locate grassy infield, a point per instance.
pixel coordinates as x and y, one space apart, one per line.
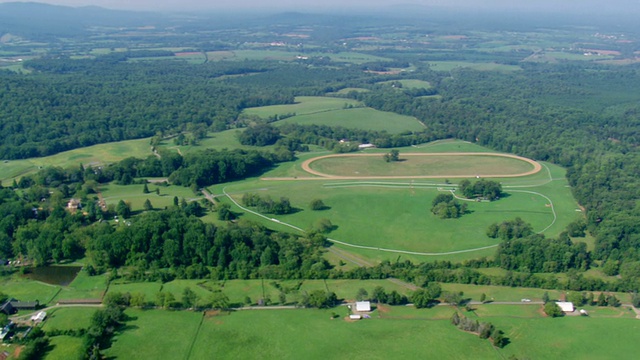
395 216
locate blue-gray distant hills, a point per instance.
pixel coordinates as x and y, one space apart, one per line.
43 20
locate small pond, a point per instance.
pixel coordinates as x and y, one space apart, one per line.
54 275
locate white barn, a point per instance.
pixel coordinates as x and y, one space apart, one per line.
566 306
363 306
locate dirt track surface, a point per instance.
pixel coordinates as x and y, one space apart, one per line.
306 166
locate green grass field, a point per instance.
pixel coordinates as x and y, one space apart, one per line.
113 193
84 287
391 332
359 118
155 334
304 105
287 334
333 112
64 348
409 84
421 166
395 215
91 155
28 290
68 318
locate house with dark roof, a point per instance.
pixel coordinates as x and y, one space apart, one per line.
7 308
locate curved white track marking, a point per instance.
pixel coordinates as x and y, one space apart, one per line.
354 245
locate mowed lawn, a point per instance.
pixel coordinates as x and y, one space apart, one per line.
424 165
312 334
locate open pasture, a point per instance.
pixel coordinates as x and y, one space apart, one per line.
304 105
134 194
421 165
69 318
90 155
155 334
359 118
571 337
285 334
409 83
65 347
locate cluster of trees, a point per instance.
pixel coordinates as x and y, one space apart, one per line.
426 297
485 330
265 204
510 229
392 156
445 206
485 189
163 245
393 297
259 135
536 253
102 327
319 299
210 166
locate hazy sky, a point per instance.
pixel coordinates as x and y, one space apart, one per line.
579 6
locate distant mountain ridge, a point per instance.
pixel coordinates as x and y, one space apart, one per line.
38 19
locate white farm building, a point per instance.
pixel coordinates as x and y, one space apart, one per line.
363 306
